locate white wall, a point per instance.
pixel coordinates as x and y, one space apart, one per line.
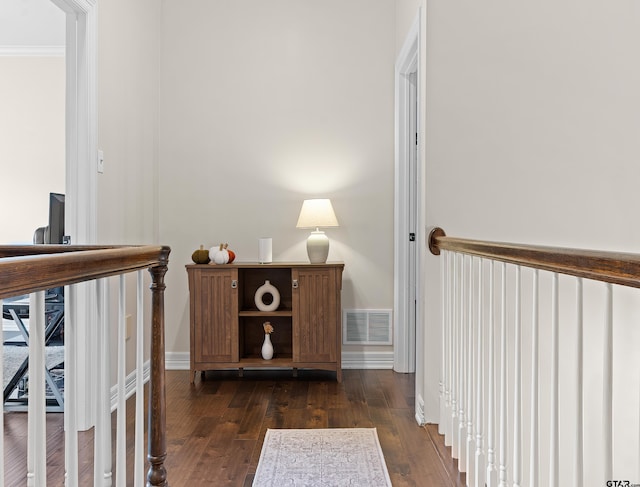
128 108
265 104
533 116
31 23
32 138
128 111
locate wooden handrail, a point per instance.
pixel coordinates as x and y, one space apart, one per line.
613 267
28 249
30 268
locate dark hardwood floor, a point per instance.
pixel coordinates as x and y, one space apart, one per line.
216 427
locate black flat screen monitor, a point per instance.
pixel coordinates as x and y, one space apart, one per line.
54 234
56 219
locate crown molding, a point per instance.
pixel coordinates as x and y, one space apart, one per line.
32 51
76 6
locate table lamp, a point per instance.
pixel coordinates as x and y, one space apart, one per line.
317 213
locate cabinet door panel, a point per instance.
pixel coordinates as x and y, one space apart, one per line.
216 318
315 313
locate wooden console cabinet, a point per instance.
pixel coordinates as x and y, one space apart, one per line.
226 326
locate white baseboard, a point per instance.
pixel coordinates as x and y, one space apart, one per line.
130 385
367 360
177 361
420 418
350 360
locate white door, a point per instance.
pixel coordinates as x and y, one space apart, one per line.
412 212
406 261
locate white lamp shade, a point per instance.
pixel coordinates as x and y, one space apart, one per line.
317 213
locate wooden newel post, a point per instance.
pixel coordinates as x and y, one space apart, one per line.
157 474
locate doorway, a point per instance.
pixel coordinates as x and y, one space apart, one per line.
32 97
32 151
407 210
80 181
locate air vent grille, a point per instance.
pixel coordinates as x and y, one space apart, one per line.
367 327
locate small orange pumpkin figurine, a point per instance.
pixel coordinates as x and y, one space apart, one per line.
232 254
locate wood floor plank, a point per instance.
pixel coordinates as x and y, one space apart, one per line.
425 463
216 427
317 405
318 395
450 464
255 411
391 387
243 392
395 456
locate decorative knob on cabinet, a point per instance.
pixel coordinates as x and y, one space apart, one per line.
295 284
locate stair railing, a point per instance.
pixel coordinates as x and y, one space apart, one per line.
31 270
527 377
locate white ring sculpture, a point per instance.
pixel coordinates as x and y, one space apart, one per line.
267 288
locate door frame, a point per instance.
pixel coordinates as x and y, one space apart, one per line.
407 102
81 120
81 185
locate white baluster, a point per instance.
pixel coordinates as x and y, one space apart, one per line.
579 462
471 442
553 437
450 305
455 376
479 461
533 453
503 378
517 390
98 460
121 424
139 428
36 422
607 407
492 471
70 401
102 457
462 398
443 343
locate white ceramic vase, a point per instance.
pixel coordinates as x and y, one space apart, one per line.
267 347
267 288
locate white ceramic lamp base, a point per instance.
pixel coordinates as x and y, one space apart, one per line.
318 247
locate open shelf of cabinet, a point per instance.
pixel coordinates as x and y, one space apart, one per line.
265 314
226 327
255 362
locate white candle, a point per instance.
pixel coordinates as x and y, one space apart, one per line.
265 247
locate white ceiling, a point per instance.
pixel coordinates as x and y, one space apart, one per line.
31 23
